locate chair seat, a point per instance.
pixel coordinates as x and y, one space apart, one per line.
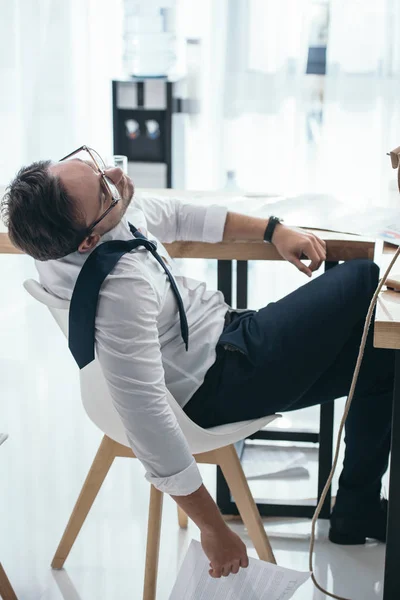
205 440
234 428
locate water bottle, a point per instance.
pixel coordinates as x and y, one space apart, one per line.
150 37
231 183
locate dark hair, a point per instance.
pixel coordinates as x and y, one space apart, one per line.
42 219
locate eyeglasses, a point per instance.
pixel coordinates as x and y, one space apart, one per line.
107 183
395 158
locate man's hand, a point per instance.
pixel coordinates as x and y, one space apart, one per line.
225 550
293 244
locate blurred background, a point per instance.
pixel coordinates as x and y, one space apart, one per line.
279 96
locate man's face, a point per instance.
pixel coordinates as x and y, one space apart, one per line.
84 183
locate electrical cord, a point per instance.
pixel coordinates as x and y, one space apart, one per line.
342 424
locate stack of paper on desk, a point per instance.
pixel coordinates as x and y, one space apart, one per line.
323 211
260 581
320 211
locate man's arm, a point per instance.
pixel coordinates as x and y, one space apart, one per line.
171 220
243 227
292 244
129 352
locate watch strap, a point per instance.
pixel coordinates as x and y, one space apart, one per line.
269 231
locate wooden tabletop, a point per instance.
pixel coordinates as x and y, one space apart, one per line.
387 317
339 247
387 320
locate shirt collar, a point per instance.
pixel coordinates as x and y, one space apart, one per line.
119 232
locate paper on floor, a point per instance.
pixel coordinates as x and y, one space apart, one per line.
261 461
260 581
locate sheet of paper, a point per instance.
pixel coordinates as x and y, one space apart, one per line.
260 581
391 233
261 461
296 485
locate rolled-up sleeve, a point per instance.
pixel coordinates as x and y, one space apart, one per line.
130 356
170 220
182 484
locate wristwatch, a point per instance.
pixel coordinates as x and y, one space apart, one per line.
269 231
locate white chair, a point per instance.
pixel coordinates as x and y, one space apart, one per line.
211 446
6 590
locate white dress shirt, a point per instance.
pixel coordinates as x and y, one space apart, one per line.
138 335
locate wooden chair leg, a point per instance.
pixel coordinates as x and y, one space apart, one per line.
153 544
6 590
98 471
182 518
229 462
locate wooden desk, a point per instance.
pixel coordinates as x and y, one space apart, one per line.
387 320
387 335
340 247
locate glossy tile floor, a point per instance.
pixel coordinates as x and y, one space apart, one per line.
48 454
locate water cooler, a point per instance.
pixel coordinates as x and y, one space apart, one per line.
147 127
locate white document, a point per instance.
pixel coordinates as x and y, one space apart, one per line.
260 581
260 461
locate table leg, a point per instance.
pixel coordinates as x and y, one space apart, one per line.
225 279
392 561
224 269
241 283
326 421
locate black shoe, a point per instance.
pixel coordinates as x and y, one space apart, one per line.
350 531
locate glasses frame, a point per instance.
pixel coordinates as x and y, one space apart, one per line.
113 191
395 160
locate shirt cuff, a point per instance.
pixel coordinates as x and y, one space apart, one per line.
181 484
214 223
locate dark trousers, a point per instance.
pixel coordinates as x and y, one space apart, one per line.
301 351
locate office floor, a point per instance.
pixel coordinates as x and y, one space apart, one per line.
48 454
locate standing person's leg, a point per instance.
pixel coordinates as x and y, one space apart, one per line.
358 510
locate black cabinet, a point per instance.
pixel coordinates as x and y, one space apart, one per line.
142 125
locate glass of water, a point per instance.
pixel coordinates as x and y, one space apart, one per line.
119 160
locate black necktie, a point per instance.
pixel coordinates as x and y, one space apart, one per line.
83 307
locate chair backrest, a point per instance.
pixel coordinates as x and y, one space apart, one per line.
96 398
